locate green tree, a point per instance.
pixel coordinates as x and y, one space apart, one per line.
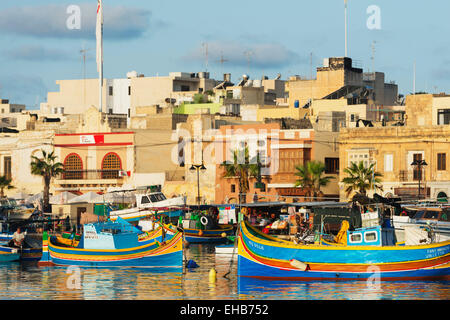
360 178
241 168
48 168
311 179
199 98
5 183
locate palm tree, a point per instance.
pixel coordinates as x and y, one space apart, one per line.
311 178
5 183
48 168
242 169
361 178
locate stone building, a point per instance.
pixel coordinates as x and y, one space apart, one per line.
393 150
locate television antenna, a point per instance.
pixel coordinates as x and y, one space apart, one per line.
373 55
249 55
222 60
83 52
205 46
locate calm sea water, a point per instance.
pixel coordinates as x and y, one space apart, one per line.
30 282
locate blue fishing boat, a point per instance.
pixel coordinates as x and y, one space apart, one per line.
360 254
208 236
115 244
8 254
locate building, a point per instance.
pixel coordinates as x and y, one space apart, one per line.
6 107
280 151
123 96
341 87
16 149
94 161
393 150
428 109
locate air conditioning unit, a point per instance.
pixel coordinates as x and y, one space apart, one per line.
123 173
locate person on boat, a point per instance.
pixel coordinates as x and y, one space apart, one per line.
17 239
67 223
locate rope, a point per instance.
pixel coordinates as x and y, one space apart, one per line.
234 249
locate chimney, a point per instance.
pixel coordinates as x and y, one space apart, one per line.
227 77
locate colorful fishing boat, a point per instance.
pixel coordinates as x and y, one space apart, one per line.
8 254
265 257
115 244
209 236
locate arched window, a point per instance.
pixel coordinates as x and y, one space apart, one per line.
73 167
111 165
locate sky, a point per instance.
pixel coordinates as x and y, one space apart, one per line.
254 37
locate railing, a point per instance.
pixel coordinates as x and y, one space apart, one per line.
410 176
90 174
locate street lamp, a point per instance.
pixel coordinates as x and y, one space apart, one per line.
419 164
198 167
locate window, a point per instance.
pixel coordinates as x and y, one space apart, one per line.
443 116
233 188
129 90
7 167
145 200
370 236
111 91
356 238
441 161
417 169
185 88
388 162
111 165
358 157
73 166
431 215
289 159
332 165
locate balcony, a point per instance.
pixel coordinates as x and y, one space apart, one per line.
91 177
410 176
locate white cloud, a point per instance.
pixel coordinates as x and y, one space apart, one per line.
50 21
36 53
260 54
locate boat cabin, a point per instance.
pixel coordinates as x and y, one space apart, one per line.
109 235
372 236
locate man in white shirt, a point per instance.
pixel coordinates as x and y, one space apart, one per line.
18 238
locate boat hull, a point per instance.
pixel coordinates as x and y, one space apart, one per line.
208 236
152 255
267 258
9 254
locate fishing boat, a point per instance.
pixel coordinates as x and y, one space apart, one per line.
115 244
203 228
437 218
8 254
359 254
146 204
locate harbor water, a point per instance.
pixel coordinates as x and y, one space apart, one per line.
29 282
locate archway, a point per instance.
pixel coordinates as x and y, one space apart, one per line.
442 197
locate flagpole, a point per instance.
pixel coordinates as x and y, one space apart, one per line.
99 36
346 35
101 66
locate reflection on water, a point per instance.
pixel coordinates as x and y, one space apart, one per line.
342 290
28 281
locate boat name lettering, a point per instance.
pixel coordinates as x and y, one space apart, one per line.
255 245
90 234
435 252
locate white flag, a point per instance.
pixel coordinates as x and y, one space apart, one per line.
99 35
